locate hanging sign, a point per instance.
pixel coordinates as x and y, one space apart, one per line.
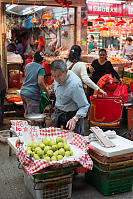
106 9
128 11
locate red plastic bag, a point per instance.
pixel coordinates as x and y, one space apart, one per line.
121 91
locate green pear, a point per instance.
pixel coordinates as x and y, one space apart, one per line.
60 145
53 158
71 153
56 153
36 157
61 152
46 149
52 142
45 141
67 153
54 147
67 147
50 153
40 153
47 158
59 157
42 145
37 149
59 139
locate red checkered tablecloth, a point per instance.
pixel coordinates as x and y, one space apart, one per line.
31 165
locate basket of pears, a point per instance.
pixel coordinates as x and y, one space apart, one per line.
49 149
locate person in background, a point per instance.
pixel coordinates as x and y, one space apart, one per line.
3 87
20 50
33 85
11 46
71 102
92 45
79 68
102 67
128 48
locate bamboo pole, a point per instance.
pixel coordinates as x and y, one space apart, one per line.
3 51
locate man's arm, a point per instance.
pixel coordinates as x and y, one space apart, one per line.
79 97
42 84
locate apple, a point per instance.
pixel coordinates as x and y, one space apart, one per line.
46 149
45 141
67 153
56 153
59 157
36 157
61 152
53 158
54 147
59 139
42 145
47 158
60 145
71 153
50 153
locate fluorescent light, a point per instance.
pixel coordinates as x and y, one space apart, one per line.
9 7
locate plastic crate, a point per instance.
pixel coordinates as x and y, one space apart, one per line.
52 188
114 159
110 182
112 166
51 174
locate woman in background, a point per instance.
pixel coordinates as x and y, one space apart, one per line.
79 68
102 67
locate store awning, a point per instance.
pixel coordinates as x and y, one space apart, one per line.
75 3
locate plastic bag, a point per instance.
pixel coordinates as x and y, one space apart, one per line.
121 91
43 103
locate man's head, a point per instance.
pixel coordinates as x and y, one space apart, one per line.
129 40
38 57
58 70
75 52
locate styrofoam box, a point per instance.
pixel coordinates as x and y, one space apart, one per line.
123 146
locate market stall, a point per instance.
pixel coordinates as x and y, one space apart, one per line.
49 157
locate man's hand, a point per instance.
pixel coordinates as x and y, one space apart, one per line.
71 124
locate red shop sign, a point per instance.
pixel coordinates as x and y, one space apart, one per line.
128 11
107 9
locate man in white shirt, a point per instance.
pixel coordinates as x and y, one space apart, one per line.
128 48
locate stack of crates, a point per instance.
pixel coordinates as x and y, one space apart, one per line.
111 175
50 185
128 76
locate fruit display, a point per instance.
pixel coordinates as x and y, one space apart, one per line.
49 150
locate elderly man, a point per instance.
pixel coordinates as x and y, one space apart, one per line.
2 94
71 103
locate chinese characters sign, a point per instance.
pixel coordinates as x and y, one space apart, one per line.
106 9
128 11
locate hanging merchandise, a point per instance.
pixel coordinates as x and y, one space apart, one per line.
46 16
99 19
28 23
104 31
34 20
40 44
64 3
121 22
